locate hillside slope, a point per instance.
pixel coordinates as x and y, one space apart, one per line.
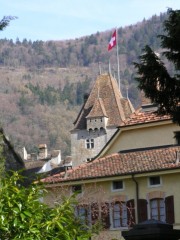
43 83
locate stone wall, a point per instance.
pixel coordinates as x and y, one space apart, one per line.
79 151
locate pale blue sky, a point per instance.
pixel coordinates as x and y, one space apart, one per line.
70 19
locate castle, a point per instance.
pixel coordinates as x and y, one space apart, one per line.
103 111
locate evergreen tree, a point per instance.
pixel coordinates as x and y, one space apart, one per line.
5 22
154 79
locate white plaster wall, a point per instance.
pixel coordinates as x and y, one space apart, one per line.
144 137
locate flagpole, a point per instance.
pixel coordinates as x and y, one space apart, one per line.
117 49
109 67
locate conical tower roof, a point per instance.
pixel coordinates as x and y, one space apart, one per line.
105 97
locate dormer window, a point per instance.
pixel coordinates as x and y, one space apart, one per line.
89 143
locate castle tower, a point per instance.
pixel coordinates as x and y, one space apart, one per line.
98 119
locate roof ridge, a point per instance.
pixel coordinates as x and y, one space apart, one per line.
149 148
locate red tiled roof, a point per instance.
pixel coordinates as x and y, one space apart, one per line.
139 117
121 164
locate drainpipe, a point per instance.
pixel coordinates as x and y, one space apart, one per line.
137 196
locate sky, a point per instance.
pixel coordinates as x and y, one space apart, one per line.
69 19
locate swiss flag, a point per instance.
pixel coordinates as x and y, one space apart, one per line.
112 42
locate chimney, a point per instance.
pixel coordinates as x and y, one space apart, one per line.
33 156
42 151
177 157
25 155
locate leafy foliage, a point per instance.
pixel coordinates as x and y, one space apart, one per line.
5 22
24 216
154 79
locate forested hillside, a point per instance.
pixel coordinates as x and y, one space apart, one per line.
43 83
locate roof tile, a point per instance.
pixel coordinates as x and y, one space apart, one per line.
139 117
121 164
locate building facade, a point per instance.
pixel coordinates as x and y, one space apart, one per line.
143 129
123 189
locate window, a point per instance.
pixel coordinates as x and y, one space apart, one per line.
112 215
119 214
177 137
117 185
154 181
157 209
77 188
89 143
116 214
90 132
102 131
83 214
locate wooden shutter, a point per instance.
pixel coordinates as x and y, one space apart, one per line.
142 208
169 205
105 215
94 212
130 212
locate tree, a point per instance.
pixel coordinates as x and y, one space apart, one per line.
158 84
5 22
23 215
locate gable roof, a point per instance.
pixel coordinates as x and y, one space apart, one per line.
124 163
111 104
98 109
13 160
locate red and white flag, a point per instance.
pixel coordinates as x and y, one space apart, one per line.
112 42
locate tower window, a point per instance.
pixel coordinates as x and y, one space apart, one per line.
89 143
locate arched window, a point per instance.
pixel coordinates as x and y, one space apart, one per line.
102 130
90 132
